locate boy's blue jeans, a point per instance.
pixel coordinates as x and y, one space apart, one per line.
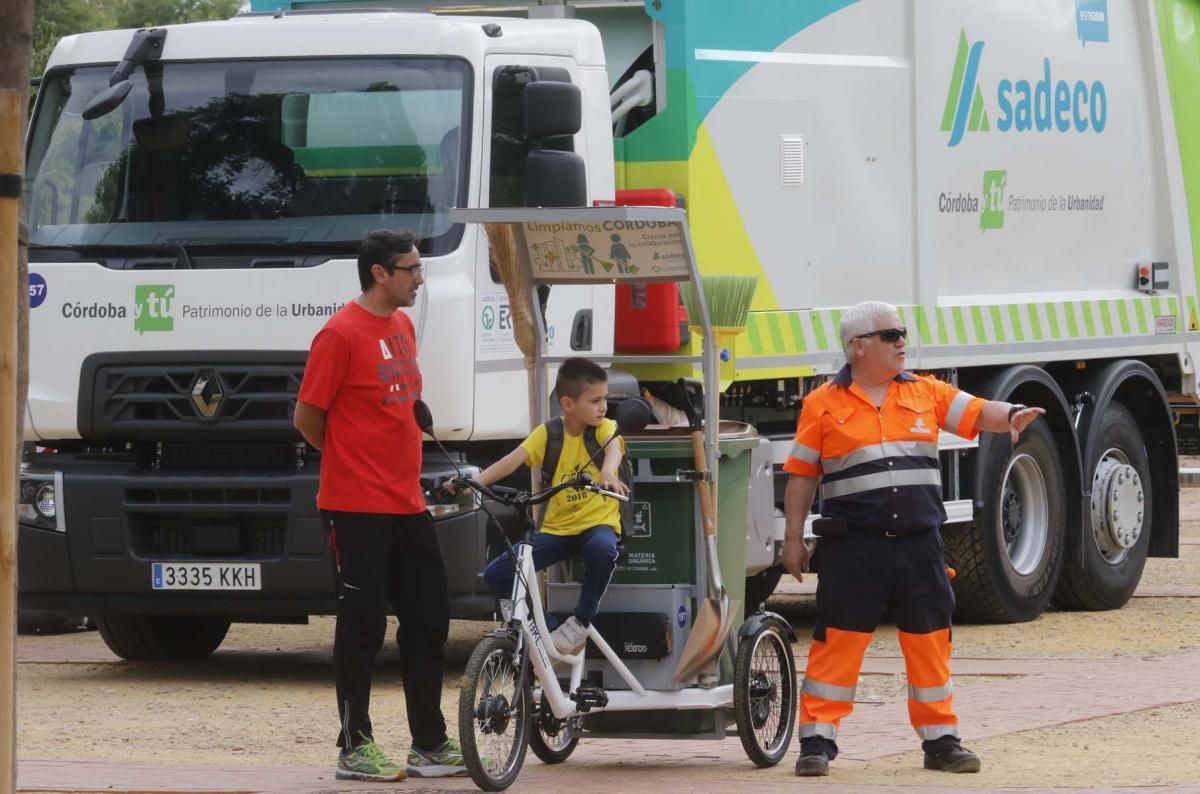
598 546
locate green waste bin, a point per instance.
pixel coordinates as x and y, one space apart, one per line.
665 544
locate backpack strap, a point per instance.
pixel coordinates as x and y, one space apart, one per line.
554 446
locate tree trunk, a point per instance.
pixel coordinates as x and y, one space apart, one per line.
16 50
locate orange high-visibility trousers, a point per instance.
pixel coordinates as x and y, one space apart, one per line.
860 574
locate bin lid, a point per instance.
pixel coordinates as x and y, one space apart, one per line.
666 441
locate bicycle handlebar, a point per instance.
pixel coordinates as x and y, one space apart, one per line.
516 498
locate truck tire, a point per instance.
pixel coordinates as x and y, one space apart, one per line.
162 637
760 586
1008 562
1117 539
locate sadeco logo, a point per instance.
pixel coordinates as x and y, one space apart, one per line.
153 307
1042 106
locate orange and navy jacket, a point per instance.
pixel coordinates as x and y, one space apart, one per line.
879 467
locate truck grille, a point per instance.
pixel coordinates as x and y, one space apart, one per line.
136 396
207 522
173 537
276 456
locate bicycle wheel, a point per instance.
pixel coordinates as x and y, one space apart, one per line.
553 740
493 717
764 694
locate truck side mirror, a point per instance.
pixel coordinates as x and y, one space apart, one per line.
107 100
552 109
555 179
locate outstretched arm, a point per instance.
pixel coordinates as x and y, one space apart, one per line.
503 467
994 418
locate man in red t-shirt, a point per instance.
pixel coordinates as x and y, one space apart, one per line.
356 406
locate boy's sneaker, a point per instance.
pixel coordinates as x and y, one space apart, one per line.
368 762
570 636
446 761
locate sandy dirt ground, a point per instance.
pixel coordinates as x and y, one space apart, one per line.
266 697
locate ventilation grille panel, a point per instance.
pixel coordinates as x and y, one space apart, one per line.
792 151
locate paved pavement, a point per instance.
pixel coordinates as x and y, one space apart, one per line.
1007 696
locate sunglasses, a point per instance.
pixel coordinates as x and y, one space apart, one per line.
889 335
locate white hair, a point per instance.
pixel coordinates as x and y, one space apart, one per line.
860 319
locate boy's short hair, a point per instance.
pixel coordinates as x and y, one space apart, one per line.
575 375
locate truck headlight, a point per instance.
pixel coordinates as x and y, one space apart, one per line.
39 503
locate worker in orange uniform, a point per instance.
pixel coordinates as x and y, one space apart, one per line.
870 437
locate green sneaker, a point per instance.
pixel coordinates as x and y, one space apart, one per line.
446 761
368 762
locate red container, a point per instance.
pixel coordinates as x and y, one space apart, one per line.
649 317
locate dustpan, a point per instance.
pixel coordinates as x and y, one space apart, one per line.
713 618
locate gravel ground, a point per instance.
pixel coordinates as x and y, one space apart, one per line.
266 697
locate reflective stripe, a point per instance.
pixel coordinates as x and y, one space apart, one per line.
884 479
931 732
888 449
931 694
827 691
805 454
826 729
957 408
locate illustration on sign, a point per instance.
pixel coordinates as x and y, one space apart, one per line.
608 249
641 520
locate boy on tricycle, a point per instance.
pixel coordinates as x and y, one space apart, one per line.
575 521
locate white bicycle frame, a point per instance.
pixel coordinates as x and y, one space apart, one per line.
543 654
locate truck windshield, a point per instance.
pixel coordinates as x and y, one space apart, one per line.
311 153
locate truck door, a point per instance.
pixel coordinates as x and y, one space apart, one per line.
500 376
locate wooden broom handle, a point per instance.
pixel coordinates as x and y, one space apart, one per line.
702 486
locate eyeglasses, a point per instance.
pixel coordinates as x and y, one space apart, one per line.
889 335
412 270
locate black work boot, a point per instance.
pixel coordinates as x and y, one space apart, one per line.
815 754
948 755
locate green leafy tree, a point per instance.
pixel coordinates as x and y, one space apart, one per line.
53 19
149 13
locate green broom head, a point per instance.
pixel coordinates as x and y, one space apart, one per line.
729 298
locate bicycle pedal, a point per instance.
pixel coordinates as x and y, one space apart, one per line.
589 697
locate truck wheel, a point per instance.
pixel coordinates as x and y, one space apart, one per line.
1008 562
760 586
1114 550
162 637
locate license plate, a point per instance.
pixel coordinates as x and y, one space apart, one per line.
206 576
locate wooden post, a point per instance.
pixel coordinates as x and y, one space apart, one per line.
16 50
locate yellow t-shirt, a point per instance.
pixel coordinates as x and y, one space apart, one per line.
572 512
